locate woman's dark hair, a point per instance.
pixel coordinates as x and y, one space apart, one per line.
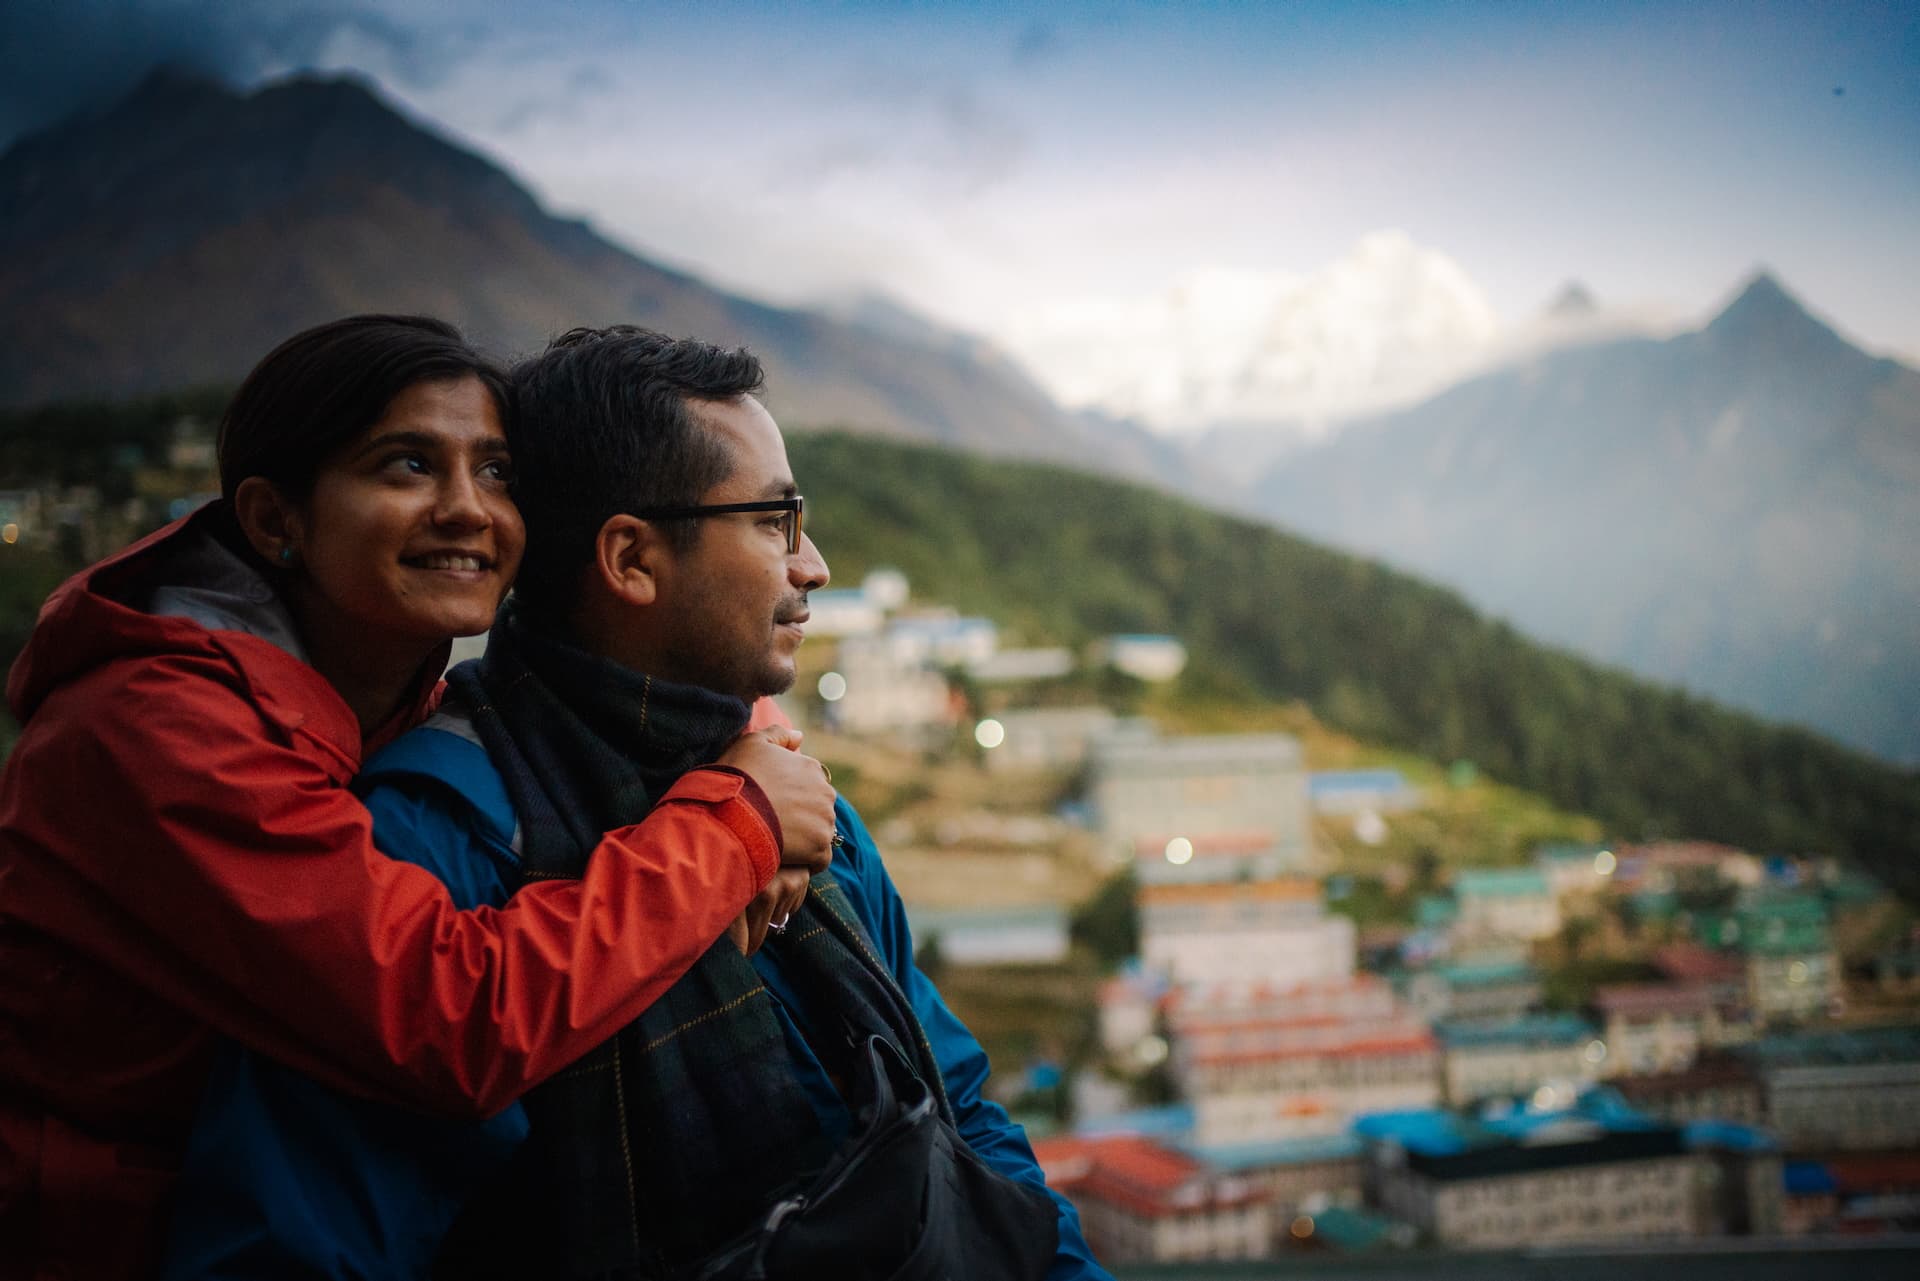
322 387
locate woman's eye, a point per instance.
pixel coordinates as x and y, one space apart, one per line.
406 464
499 470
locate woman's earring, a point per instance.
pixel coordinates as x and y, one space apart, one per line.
286 554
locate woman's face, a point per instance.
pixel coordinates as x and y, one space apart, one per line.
409 537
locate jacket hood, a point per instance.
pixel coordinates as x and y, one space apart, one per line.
178 592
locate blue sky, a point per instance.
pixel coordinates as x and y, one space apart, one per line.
985 162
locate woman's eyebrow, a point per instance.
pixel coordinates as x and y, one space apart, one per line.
426 440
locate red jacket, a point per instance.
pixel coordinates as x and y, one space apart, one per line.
179 859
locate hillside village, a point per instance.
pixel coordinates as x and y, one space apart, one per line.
1604 1042
1257 988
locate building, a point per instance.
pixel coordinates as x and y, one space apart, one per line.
1502 905
1218 932
1214 807
1259 1063
1495 989
840 612
1742 1194
1848 1090
1785 944
1575 868
885 694
857 611
1360 791
1143 1202
941 638
1127 1008
1717 1086
1010 665
1534 1180
1056 738
1147 658
1034 934
1299 1176
1655 1027
1518 1057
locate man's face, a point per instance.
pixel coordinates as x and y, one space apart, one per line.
733 604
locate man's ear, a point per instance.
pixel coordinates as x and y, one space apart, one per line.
628 556
270 521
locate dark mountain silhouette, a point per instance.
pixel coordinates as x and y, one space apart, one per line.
172 238
1733 510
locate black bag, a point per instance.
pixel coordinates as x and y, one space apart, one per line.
904 1199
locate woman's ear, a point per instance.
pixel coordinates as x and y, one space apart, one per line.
269 521
627 554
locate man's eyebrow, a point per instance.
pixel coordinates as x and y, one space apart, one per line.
779 489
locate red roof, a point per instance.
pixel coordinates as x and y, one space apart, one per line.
1630 1000
1351 1050
1871 1172
1690 962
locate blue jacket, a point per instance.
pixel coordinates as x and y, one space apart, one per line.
285 1178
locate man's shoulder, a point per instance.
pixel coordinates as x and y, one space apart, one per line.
445 753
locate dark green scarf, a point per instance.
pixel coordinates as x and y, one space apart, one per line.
674 1135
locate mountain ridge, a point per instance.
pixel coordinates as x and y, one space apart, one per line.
172 237
1722 510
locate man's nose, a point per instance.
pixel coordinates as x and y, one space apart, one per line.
807 568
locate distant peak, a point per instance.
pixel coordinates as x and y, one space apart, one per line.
1763 309
1574 299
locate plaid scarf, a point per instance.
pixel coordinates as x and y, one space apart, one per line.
673 1136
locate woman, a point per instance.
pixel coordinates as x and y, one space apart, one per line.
180 860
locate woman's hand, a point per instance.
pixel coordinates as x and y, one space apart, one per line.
770 909
798 789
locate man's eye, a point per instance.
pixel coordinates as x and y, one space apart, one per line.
406 464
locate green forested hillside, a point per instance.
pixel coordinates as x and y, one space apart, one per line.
1057 555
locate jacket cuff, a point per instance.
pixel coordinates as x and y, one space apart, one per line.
753 794
742 806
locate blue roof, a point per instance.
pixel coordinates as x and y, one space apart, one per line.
1807 1178
1436 1132
1529 1029
1729 1135
1326 782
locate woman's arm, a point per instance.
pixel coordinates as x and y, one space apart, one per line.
228 872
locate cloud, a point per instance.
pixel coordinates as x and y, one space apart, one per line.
61 56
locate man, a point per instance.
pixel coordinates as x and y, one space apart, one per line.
664 589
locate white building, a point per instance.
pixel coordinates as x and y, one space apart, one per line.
1211 807
1267 1062
1252 932
1147 658
884 695
1031 935
1503 905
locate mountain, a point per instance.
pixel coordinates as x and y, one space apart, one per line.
173 237
1376 653
1732 510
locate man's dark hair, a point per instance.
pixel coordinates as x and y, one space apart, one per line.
603 425
322 387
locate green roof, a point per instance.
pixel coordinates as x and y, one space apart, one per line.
1500 882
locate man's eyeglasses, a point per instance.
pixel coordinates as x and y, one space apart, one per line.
794 509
